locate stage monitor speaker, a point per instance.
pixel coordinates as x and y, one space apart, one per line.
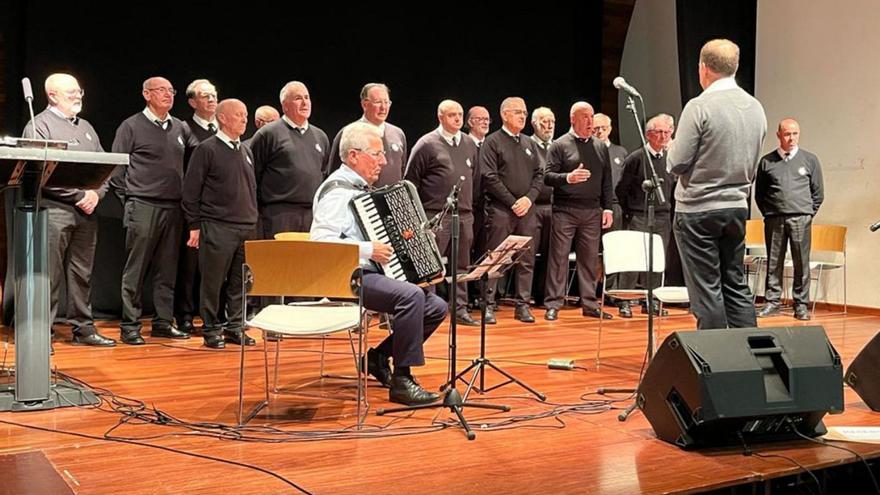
726 387
863 374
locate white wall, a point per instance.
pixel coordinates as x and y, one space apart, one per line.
817 62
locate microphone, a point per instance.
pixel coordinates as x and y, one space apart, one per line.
621 84
875 227
29 97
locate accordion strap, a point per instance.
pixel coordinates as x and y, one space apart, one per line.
339 184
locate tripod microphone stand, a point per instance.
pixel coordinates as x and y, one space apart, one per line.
452 399
653 196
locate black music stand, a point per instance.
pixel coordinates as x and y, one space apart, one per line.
452 399
492 266
29 170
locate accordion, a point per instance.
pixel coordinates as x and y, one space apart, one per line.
394 215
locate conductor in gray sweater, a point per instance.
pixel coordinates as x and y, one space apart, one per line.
715 156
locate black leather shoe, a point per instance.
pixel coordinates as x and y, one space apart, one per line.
238 338
769 309
657 311
215 341
490 316
596 313
466 320
625 311
801 312
524 314
132 337
551 314
186 326
405 390
378 367
169 333
94 339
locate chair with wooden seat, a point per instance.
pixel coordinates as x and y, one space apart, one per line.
827 252
627 251
277 268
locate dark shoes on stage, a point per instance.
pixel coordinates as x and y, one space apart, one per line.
214 341
772 309
801 312
490 316
239 338
551 314
769 309
94 339
168 332
624 310
596 313
657 311
132 337
186 326
405 390
378 367
466 320
524 314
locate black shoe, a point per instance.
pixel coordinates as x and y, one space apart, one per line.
524 314
657 311
801 312
132 337
551 314
596 313
169 333
625 311
186 326
769 309
94 339
215 341
466 320
490 316
378 367
405 390
237 338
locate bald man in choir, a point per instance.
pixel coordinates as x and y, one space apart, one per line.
263 115
151 188
220 206
73 228
376 104
291 156
441 159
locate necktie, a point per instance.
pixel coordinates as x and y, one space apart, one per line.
454 142
787 156
160 123
73 120
545 144
658 156
300 130
236 145
515 139
212 128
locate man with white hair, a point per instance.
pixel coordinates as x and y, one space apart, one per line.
441 159
263 115
416 312
544 127
73 229
290 160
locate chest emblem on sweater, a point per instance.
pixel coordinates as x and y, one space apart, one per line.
617 161
802 171
468 162
528 152
249 160
318 147
180 140
88 136
395 147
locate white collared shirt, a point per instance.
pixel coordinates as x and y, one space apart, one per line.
291 123
721 85
477 141
543 144
153 118
62 115
451 139
204 123
333 220
506 131
652 151
226 139
381 126
790 153
571 131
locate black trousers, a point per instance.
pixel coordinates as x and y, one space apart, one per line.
186 290
618 223
780 231
444 243
152 239
73 236
712 246
416 312
584 227
638 220
221 254
541 245
500 223
283 217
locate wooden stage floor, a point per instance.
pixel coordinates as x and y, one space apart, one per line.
573 443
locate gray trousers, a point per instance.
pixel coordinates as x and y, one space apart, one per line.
221 254
584 227
500 223
444 243
73 236
152 240
781 231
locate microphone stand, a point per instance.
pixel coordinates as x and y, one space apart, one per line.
653 195
452 399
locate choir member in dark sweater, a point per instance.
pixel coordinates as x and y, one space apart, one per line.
478 121
789 192
512 179
632 198
151 188
291 156
602 131
578 168
202 97
544 125
437 162
220 206
263 115
376 103
72 226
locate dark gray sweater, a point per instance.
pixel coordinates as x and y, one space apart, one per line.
394 142
435 166
220 186
789 188
510 169
566 154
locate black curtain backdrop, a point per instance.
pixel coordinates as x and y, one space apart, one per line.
474 53
699 21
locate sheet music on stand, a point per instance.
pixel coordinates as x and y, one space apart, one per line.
494 263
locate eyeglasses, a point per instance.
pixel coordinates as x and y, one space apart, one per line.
169 91
73 92
206 96
661 132
601 127
387 103
480 120
517 111
373 153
